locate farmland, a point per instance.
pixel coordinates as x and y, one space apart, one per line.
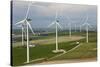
45 45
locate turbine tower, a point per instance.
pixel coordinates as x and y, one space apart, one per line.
56 23
70 33
75 27
80 28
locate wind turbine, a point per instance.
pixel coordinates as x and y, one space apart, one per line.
56 23
87 26
22 28
75 27
69 24
70 28
80 28
26 22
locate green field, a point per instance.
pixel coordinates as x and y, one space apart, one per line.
44 50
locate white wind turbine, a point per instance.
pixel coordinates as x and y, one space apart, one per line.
26 22
80 28
75 27
70 33
70 27
55 22
23 31
87 28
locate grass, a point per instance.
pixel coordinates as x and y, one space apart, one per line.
45 51
41 51
86 50
82 52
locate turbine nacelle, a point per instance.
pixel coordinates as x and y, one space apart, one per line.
57 20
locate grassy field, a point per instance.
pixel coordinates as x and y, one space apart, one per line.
82 52
44 50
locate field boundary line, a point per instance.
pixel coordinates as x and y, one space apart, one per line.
65 52
36 60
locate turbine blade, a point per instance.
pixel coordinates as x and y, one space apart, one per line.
89 25
56 16
30 27
51 24
20 22
59 25
86 19
29 5
82 20
33 4
84 24
38 6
